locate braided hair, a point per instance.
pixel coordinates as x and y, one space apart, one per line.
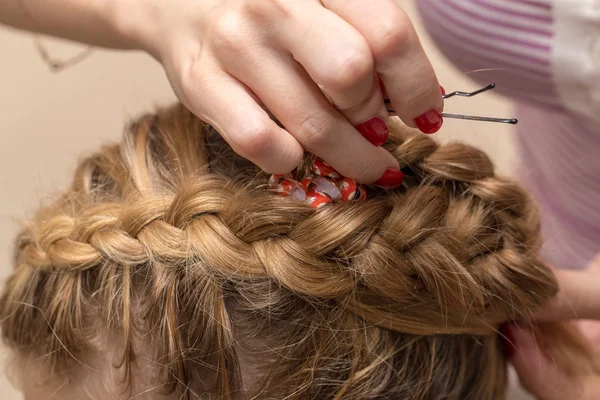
175 246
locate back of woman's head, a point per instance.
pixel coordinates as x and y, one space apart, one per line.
169 267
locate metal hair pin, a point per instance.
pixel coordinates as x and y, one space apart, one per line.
491 86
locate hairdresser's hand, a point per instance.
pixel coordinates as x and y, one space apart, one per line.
579 295
226 57
540 375
579 298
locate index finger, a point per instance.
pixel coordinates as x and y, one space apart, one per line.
400 61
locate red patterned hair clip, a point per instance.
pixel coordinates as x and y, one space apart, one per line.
324 186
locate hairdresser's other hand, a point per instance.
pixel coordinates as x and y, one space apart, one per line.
579 298
225 58
540 375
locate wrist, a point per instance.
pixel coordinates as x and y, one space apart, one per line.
133 23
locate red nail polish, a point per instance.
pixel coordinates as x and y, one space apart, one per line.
430 122
443 90
374 130
508 341
391 178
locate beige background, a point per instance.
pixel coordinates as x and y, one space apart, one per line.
48 120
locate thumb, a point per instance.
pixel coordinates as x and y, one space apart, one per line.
537 373
578 296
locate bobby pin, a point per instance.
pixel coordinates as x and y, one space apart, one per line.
469 94
491 86
512 121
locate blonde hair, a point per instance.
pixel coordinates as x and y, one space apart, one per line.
174 244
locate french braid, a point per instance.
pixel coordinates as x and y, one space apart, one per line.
172 219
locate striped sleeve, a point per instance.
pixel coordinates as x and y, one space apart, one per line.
508 42
546 55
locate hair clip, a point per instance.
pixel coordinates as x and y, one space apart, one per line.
491 86
321 168
324 186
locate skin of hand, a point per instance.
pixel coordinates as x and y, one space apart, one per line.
578 298
227 58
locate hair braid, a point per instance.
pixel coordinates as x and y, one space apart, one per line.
452 252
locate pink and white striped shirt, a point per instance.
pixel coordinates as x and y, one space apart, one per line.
546 55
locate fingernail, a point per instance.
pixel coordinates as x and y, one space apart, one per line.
321 168
443 90
430 122
374 130
508 341
391 178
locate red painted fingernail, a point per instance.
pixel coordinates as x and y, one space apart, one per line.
374 130
508 341
430 122
443 90
391 178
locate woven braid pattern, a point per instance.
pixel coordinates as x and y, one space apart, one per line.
454 251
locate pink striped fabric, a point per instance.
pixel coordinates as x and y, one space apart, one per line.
510 42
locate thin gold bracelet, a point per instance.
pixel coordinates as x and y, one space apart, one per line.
60 65
53 64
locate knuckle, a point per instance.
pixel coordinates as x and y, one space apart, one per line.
254 7
264 10
191 82
314 131
422 97
227 31
252 141
394 35
417 97
351 69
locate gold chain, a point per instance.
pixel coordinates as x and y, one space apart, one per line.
60 65
53 64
